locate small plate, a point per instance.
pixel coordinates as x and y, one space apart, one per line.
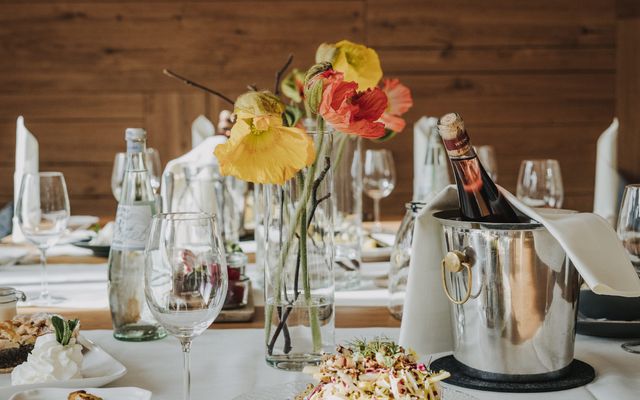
608 328
98 251
81 221
98 369
128 393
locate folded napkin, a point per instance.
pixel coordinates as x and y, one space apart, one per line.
608 182
201 128
174 171
26 162
588 240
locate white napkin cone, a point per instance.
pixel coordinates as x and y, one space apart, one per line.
200 155
607 189
201 129
27 157
588 240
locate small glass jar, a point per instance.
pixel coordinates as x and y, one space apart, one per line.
238 292
9 298
400 259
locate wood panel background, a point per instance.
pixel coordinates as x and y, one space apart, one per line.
533 78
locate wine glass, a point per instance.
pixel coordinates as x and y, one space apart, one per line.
152 162
487 156
43 213
379 180
540 183
629 232
117 174
185 277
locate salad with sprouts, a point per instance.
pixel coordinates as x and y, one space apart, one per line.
378 369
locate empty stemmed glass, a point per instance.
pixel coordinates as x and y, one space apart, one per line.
629 232
185 277
152 162
43 213
379 179
540 183
487 156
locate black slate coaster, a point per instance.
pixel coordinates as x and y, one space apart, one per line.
579 374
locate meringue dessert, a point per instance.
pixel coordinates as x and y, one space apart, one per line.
375 370
55 356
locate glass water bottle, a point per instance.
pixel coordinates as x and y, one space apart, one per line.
132 320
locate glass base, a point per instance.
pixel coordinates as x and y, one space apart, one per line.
293 362
44 301
139 333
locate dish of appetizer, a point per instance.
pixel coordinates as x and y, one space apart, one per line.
45 350
378 369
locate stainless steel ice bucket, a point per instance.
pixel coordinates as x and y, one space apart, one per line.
514 294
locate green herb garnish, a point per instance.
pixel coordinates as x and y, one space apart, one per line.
64 329
369 348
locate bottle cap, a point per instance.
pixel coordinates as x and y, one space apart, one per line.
135 134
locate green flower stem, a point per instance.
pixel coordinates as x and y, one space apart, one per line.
342 141
297 221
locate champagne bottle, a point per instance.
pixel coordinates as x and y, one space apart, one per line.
480 199
132 319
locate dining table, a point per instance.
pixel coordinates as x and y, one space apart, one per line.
228 359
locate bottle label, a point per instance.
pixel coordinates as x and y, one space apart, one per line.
132 226
458 146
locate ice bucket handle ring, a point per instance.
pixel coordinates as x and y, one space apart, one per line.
455 261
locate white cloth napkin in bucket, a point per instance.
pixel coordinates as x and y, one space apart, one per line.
588 240
27 159
608 186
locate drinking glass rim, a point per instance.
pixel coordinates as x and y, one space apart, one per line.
185 216
45 174
538 160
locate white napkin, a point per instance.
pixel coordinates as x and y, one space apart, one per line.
587 238
201 128
26 162
608 182
200 155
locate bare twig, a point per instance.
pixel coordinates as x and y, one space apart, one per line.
252 87
197 85
281 72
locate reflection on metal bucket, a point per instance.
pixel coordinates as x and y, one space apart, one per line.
518 322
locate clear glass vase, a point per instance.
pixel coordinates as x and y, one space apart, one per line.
299 280
347 178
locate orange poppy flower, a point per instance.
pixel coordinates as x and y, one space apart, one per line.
350 111
399 102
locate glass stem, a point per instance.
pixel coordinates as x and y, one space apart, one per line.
44 285
377 226
186 373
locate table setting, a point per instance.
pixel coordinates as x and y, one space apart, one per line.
244 269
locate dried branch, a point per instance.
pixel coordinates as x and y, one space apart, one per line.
280 73
196 85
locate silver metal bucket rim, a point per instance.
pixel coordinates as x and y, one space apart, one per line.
453 218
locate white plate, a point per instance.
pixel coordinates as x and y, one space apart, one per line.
376 254
98 369
290 390
81 221
129 393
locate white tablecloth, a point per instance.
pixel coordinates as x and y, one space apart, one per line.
227 363
85 285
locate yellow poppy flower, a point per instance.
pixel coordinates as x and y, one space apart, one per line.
358 63
252 103
262 150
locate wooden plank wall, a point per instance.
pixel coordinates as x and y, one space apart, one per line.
532 78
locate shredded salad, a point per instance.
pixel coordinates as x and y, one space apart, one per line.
373 370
